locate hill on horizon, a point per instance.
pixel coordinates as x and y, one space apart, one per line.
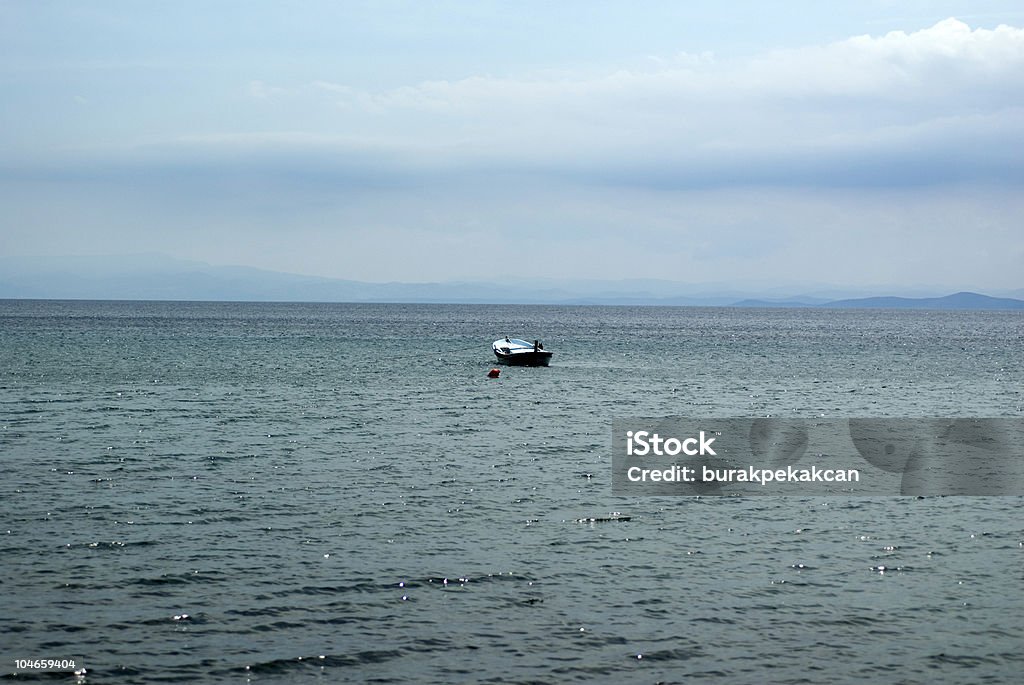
157 277
961 300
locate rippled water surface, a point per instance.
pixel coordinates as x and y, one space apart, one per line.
284 492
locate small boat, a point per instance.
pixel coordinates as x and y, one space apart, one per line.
521 353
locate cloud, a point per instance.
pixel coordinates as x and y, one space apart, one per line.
933 62
261 91
907 100
939 105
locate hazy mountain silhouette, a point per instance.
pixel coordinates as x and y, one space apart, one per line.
962 300
157 277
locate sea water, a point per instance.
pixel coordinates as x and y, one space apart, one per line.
225 492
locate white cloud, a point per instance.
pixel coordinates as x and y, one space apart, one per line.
851 92
900 107
874 65
261 91
859 66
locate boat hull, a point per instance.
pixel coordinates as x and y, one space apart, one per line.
530 358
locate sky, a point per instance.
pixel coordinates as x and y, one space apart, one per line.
856 143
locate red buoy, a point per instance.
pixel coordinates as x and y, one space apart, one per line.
494 373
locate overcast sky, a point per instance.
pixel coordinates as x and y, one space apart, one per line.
855 143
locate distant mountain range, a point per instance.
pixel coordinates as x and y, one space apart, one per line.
962 300
157 277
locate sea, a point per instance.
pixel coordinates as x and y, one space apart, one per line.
333 493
